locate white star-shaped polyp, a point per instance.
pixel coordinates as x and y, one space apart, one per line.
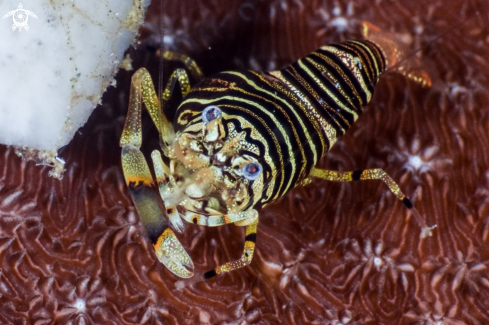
80 305
378 262
419 158
453 275
455 89
415 162
422 159
372 259
340 23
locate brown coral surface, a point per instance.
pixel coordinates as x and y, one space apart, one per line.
74 251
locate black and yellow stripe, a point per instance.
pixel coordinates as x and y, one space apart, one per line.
294 115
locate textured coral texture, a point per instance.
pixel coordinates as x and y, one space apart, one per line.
74 251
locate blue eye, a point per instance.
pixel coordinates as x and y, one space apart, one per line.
251 171
211 113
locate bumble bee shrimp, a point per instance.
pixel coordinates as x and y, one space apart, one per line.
242 139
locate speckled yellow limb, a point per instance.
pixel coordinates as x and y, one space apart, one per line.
166 182
357 175
374 174
178 75
190 64
138 176
246 258
240 219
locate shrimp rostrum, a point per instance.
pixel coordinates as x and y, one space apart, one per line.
242 139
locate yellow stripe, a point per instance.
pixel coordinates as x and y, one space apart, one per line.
322 69
345 79
371 56
285 113
275 140
325 89
282 131
288 90
349 61
312 114
292 110
138 178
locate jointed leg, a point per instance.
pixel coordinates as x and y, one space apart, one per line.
246 258
240 219
166 184
379 174
190 64
138 176
142 89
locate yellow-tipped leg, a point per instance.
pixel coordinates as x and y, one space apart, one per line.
190 64
178 75
379 174
245 259
151 211
142 90
138 176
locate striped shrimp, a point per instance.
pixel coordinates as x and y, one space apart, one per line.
242 139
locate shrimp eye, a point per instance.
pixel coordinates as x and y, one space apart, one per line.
211 113
251 171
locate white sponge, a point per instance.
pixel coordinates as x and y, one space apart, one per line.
55 68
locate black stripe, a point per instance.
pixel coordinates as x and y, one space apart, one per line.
368 64
334 115
261 128
348 87
289 76
251 237
285 117
291 110
356 174
368 70
333 84
342 116
347 74
266 127
407 203
372 59
288 73
210 274
365 72
378 57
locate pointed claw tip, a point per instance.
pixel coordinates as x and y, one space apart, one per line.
179 285
179 267
171 253
426 231
177 223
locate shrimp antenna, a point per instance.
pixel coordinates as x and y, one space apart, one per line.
161 50
395 52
